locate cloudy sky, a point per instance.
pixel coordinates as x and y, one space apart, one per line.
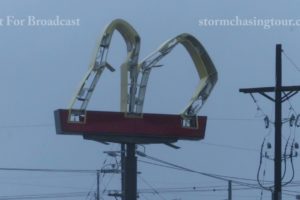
41 67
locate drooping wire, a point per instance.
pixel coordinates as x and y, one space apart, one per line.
44 196
109 180
112 162
226 178
107 184
292 133
291 61
285 155
160 165
259 168
48 170
223 178
261 159
91 191
258 108
231 147
292 164
263 182
152 188
144 196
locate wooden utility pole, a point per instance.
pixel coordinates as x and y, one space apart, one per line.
278 125
98 185
288 92
129 171
229 190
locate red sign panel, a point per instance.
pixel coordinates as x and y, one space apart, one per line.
117 127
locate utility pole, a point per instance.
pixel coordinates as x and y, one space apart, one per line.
278 125
123 149
129 171
288 92
229 190
98 185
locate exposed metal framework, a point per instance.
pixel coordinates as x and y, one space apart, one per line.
206 70
133 92
77 108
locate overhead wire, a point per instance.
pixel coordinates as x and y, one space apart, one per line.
152 188
144 196
292 165
91 190
231 147
26 125
269 188
228 178
285 155
292 136
107 184
24 184
291 61
194 189
176 168
49 170
44 196
160 165
223 178
258 107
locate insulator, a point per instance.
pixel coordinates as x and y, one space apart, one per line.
267 122
292 120
269 145
296 145
297 121
266 155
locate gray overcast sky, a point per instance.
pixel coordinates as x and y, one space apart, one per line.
42 66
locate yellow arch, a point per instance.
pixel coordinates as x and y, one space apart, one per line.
206 71
99 63
130 69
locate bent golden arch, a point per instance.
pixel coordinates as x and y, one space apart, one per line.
133 91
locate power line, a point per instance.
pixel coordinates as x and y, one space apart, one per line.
226 178
42 185
44 196
190 189
176 168
49 170
231 147
233 119
26 126
160 165
152 188
107 184
194 189
91 190
215 176
291 61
